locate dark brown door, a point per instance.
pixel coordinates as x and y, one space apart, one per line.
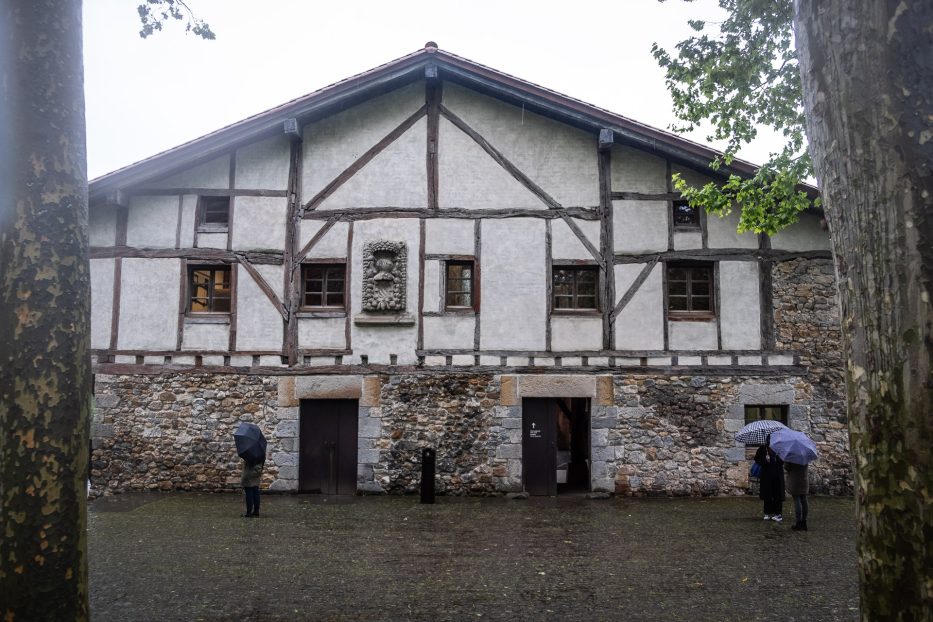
539 446
327 447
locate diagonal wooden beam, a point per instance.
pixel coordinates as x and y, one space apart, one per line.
314 240
634 287
263 285
523 179
364 159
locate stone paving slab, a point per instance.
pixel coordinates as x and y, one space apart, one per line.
191 557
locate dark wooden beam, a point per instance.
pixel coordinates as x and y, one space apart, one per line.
606 139
209 192
548 283
606 242
477 281
291 129
291 275
433 102
724 254
300 255
264 286
231 337
268 257
644 196
421 255
347 295
367 213
364 159
634 287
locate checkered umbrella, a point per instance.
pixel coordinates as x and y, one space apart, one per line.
757 432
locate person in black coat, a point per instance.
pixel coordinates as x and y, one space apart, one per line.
771 480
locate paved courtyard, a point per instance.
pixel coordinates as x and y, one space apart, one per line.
191 557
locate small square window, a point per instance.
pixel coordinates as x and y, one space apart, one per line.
213 212
684 216
459 285
323 286
690 290
209 289
575 288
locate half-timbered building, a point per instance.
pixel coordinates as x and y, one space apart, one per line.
436 254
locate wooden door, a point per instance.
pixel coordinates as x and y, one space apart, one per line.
327 447
539 446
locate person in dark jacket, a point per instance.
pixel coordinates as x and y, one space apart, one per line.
798 487
250 480
771 489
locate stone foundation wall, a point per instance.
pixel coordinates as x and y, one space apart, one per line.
175 431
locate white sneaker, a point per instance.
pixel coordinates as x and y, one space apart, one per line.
768 517
777 518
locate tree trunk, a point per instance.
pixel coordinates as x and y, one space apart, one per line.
45 375
867 73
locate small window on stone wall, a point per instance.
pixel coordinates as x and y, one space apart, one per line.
776 413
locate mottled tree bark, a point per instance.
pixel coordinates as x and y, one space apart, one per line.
44 312
867 70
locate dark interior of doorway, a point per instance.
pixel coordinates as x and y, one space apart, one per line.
573 444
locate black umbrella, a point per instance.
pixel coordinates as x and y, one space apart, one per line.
250 443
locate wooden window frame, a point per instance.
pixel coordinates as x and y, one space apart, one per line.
473 307
327 265
693 226
192 268
691 314
760 408
204 203
576 267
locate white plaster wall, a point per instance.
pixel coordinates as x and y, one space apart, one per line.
514 285
333 144
634 170
570 333
102 225
740 308
450 331
214 174
559 158
259 222
640 325
691 176
693 335
686 240
721 232
566 245
149 290
332 246
101 301
212 240
152 222
468 178
449 236
433 298
639 226
322 332
397 177
259 324
805 235
205 337
263 164
188 210
378 342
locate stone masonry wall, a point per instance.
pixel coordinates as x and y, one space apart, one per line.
456 414
175 431
807 320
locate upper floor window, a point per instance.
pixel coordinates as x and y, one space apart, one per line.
690 290
575 287
209 289
213 212
323 285
684 216
459 285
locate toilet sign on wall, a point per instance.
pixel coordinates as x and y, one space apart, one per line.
534 431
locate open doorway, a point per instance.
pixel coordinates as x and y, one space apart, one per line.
555 445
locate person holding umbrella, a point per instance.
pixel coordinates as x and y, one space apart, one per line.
251 446
771 481
798 451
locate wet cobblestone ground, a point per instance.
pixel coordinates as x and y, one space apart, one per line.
192 557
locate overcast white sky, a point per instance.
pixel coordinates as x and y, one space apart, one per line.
148 95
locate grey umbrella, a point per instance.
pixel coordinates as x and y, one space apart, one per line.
757 432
